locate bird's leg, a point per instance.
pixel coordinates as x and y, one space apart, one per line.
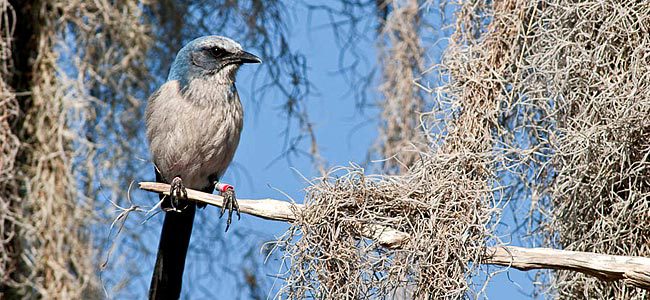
177 192
229 201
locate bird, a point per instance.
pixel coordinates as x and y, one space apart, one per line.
193 125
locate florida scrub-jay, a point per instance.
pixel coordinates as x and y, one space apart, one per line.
193 124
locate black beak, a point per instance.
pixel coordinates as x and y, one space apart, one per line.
247 58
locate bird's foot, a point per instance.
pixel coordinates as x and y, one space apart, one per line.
177 192
229 202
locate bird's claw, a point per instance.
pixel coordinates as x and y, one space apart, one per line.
229 203
177 192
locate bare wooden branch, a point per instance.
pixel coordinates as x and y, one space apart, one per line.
269 209
632 270
278 210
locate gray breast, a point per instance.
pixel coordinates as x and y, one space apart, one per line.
194 134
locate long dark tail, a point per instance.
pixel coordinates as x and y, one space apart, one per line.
167 278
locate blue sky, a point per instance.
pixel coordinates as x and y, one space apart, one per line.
344 135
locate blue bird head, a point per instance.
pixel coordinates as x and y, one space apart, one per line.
209 56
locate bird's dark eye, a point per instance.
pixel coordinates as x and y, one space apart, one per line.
217 52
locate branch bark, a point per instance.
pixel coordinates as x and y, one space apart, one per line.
278 210
631 269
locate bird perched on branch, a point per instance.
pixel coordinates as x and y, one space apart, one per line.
193 123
